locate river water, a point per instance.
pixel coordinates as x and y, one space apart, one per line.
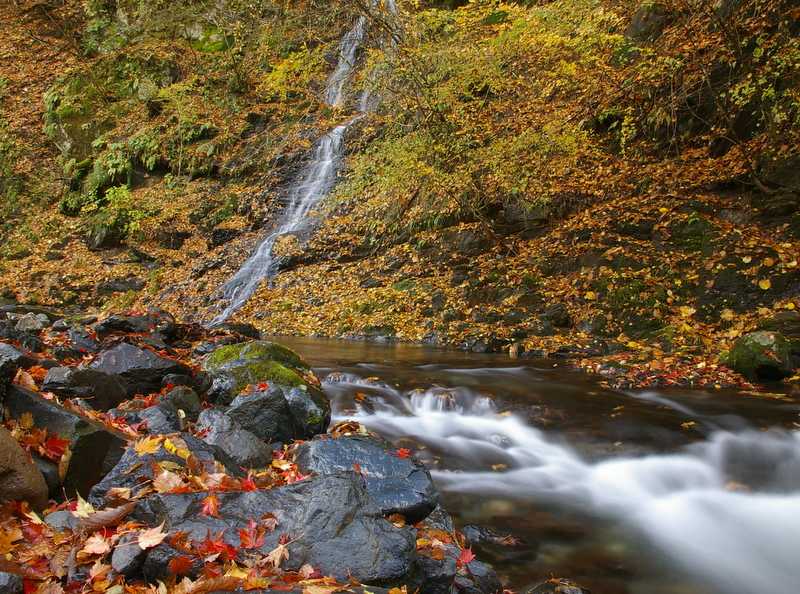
679 492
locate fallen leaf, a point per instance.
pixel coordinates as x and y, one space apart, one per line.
96 544
278 555
210 506
152 537
147 445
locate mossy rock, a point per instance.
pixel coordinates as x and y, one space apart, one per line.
761 356
258 351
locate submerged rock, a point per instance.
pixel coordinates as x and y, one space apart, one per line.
761 356
333 525
396 484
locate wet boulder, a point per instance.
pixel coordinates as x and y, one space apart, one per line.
154 321
161 419
32 322
279 413
396 484
141 370
102 390
134 470
437 570
10 360
761 356
95 448
20 479
185 399
234 366
333 524
222 431
268 366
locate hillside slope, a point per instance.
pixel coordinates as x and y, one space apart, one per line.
608 181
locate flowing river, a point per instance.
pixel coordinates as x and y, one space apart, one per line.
682 492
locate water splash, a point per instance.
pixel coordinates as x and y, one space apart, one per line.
726 509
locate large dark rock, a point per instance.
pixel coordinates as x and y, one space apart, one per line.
185 399
242 446
10 360
133 470
761 356
161 419
333 524
154 321
102 390
95 449
20 479
140 369
235 366
395 484
265 413
128 557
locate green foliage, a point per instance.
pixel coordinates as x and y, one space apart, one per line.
11 184
120 215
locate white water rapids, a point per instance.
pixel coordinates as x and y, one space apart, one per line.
727 509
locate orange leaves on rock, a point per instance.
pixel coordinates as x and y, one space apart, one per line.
180 565
25 380
277 555
54 447
105 517
8 538
210 506
152 537
216 547
252 537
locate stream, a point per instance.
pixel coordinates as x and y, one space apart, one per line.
624 492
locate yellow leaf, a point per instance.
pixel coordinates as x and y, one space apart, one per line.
768 262
686 311
727 315
26 420
590 296
764 284
747 259
83 509
147 445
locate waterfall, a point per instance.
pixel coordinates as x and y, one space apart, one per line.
314 182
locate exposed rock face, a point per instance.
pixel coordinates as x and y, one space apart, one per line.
395 484
101 390
134 469
241 445
333 524
95 449
140 369
297 407
20 479
10 360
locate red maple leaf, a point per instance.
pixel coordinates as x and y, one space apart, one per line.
54 447
216 546
248 484
251 537
466 557
263 386
403 453
210 506
181 565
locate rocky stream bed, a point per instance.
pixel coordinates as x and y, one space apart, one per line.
139 454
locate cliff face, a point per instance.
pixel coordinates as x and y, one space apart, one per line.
587 178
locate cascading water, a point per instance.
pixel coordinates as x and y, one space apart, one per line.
315 181
726 510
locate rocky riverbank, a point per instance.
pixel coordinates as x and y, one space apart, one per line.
139 453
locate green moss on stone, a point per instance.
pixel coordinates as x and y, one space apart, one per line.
260 350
